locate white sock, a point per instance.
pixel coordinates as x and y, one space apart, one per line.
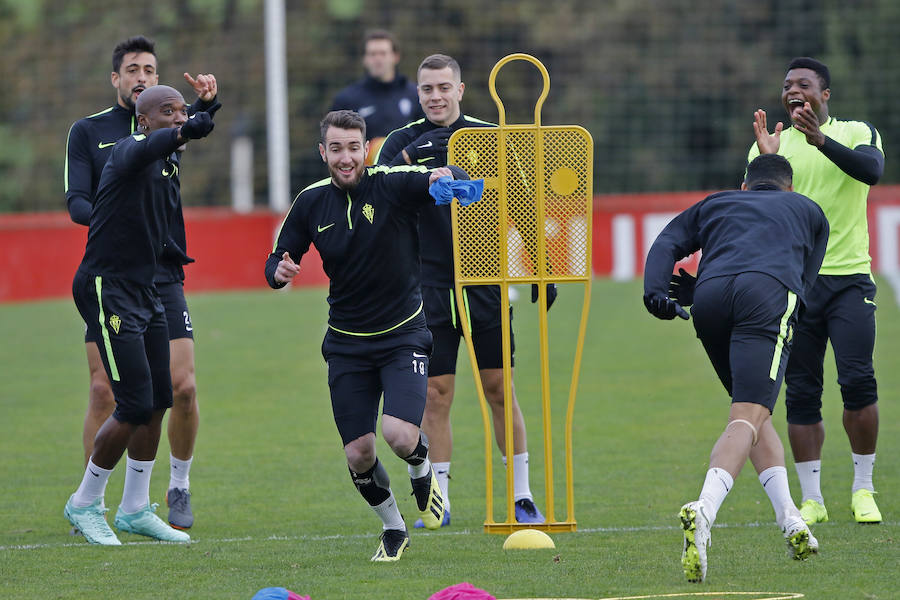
93 485
420 470
521 488
862 471
716 486
810 475
442 470
136 494
774 480
179 473
390 514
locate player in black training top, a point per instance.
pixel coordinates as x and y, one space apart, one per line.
115 295
762 248
385 98
89 145
424 142
362 221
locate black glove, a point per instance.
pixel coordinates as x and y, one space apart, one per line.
198 126
681 287
551 294
428 145
664 308
458 173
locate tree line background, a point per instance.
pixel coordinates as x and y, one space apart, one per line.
666 88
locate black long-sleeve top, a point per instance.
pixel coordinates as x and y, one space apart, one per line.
782 234
88 146
136 196
368 242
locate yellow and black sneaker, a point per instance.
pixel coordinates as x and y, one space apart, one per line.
393 543
429 500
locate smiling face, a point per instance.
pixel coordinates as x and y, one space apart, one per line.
137 73
344 151
440 91
805 85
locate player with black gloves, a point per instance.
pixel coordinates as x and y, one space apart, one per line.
116 296
762 248
424 142
428 147
90 143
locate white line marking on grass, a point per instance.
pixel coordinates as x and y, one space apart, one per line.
351 536
761 595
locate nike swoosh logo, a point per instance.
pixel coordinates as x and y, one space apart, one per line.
428 145
138 470
417 355
94 474
867 301
103 145
321 229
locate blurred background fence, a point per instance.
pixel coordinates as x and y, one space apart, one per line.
667 88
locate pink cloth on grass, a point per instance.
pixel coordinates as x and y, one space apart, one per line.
462 591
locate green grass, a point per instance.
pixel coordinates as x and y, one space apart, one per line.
275 506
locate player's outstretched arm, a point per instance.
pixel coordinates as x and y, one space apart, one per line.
198 126
438 173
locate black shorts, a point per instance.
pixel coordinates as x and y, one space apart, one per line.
129 321
171 293
745 323
361 368
482 305
841 308
178 319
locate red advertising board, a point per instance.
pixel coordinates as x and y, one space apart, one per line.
40 252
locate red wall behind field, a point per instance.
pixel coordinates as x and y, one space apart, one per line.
40 252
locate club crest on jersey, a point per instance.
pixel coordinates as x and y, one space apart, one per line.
115 322
368 212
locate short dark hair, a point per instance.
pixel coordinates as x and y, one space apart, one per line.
436 62
137 43
342 119
805 62
769 171
380 34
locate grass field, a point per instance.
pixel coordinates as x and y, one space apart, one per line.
275 506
